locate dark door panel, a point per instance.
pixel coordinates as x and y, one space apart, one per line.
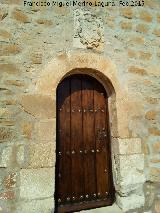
83 164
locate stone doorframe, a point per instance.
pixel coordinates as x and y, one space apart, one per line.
127 157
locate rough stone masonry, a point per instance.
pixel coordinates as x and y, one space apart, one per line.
39 45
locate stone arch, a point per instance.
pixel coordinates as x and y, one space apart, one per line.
65 63
99 67
104 80
43 107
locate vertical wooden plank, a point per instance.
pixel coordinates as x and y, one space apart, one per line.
88 138
63 128
102 172
76 140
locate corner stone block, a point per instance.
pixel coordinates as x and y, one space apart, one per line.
126 146
42 127
126 190
131 169
41 155
130 202
35 206
36 183
39 106
128 172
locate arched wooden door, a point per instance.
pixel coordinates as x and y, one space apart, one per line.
83 166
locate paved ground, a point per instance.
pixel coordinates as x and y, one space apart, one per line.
109 209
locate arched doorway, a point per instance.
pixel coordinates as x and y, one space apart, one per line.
83 158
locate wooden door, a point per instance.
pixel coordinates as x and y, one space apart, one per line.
83 164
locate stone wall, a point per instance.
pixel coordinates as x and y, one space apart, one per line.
38 46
